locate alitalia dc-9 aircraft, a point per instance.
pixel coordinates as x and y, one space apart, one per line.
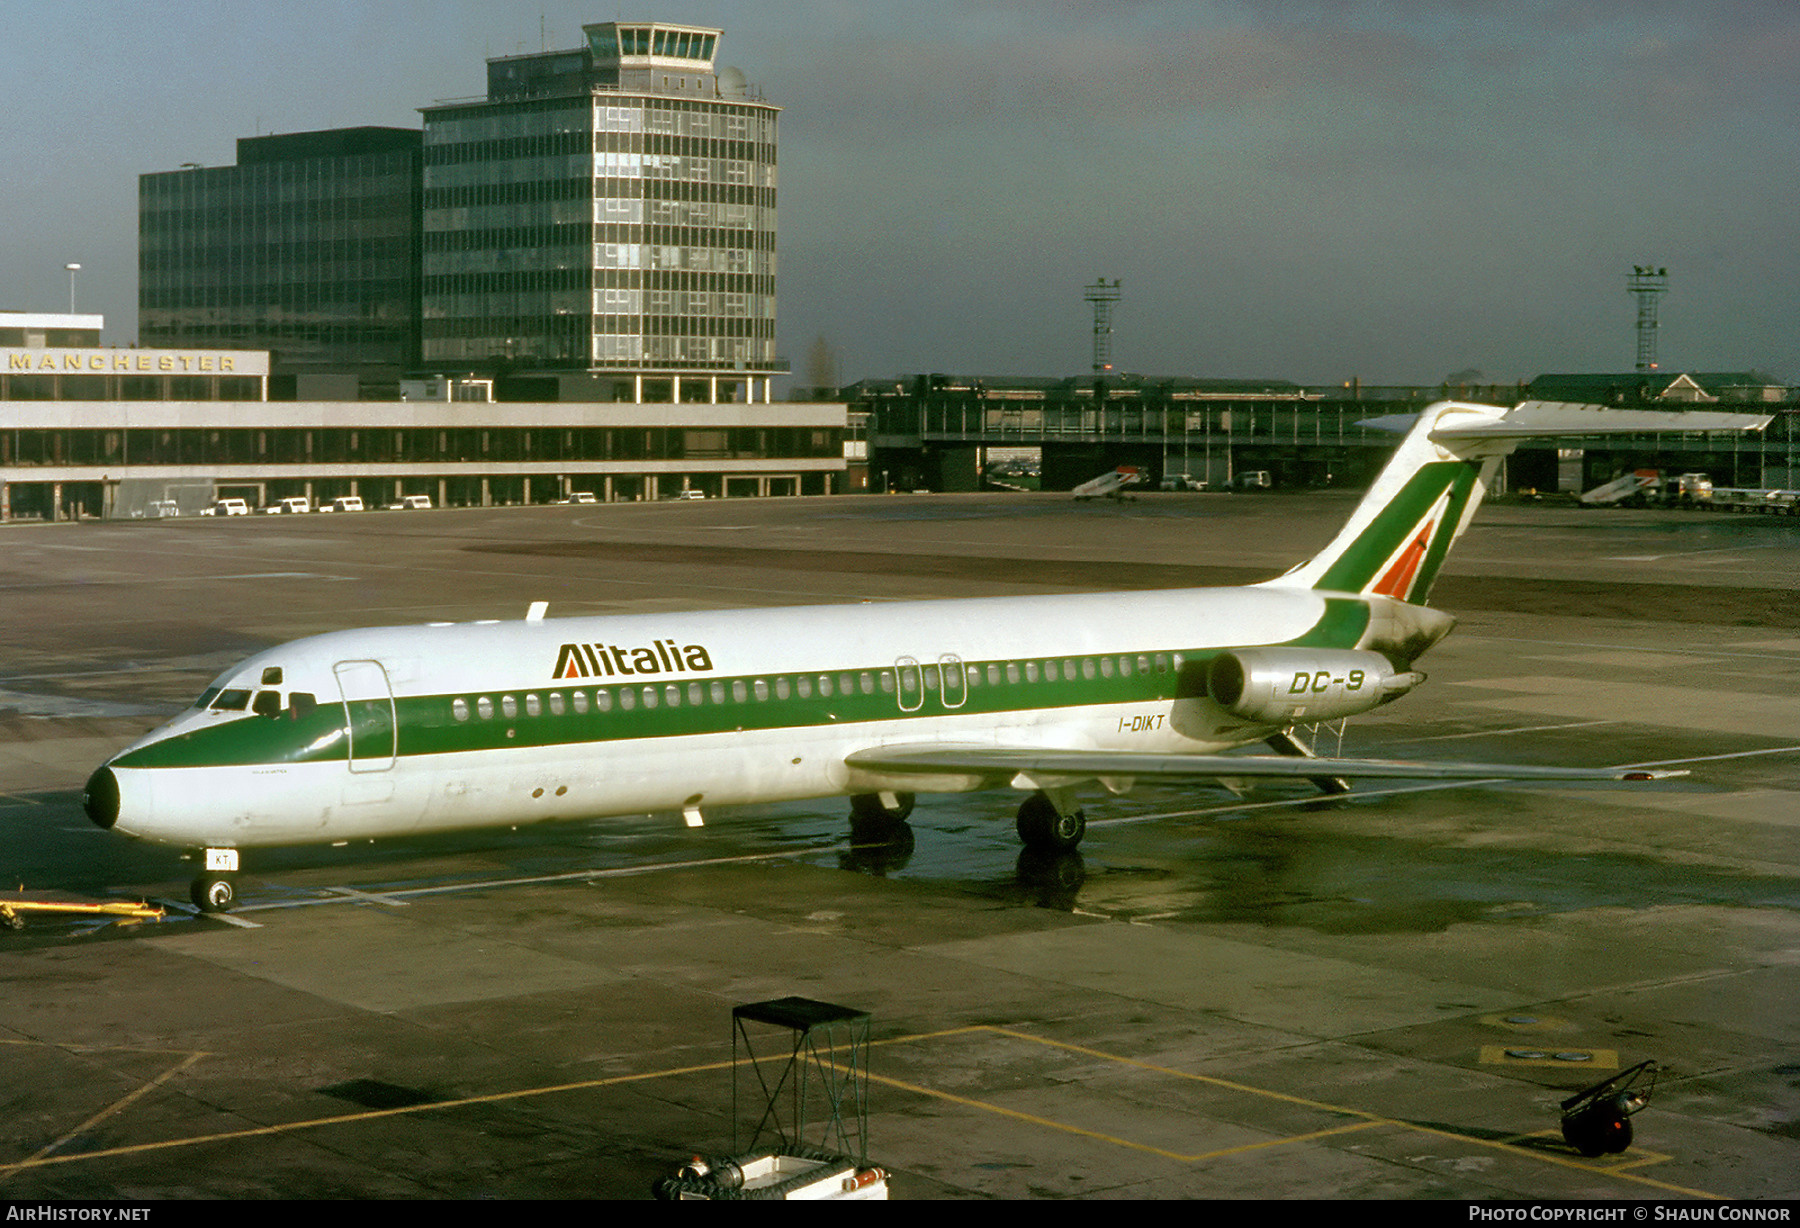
400 730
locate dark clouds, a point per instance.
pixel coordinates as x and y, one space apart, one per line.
1309 190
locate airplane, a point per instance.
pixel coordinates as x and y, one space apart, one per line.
363 734
1109 485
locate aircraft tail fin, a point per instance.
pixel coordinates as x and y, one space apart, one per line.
1400 534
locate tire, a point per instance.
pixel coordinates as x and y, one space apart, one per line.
872 821
1044 829
213 893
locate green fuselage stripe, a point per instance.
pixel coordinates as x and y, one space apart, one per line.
1356 568
427 724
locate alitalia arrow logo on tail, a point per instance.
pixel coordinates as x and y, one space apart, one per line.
613 660
1397 581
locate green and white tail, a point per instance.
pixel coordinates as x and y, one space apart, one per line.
1401 532
1403 529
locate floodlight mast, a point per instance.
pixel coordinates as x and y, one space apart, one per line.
1648 283
1102 295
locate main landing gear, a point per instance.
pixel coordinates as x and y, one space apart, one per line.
215 888
879 818
1048 825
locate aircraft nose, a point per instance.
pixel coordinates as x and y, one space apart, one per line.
100 798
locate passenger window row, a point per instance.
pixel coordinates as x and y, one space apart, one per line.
804 686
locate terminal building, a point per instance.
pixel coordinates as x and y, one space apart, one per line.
87 431
567 285
933 431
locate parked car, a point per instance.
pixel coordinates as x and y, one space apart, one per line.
690 494
345 503
294 506
579 496
227 507
411 503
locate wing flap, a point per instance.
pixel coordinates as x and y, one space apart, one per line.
1036 764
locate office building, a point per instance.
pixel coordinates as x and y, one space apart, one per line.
307 248
606 215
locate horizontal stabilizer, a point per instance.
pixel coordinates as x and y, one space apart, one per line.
1550 419
997 761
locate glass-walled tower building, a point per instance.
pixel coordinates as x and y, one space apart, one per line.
307 248
607 211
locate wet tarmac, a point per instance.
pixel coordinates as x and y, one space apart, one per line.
1383 995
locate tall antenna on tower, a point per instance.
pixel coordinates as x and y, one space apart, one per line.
1648 283
1102 294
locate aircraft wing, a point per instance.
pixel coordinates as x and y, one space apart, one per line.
1070 765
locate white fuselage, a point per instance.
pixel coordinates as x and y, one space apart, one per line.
416 729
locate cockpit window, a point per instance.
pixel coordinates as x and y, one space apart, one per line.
267 703
300 703
231 701
206 697
271 676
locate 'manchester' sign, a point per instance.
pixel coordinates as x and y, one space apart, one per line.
16 360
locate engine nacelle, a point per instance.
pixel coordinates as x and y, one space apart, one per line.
1285 686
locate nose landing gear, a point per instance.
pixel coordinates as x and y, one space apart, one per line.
213 892
215 889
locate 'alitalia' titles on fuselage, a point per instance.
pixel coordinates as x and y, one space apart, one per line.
611 660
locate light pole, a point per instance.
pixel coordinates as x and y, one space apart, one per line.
73 269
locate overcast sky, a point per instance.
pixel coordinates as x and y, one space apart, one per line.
1310 191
